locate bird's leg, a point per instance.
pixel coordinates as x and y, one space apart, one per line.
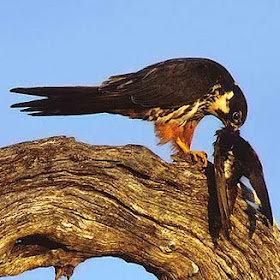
195 154
180 136
184 142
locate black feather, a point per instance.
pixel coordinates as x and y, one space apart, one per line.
71 101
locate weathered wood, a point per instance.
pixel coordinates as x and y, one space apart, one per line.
63 202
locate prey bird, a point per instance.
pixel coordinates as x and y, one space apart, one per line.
175 94
233 158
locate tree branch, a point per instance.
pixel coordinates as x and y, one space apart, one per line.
64 202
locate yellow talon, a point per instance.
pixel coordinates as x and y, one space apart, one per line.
199 154
195 154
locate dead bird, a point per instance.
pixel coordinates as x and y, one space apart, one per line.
233 158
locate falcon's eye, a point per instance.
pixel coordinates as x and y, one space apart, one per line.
236 116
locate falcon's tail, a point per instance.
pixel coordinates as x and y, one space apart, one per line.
72 101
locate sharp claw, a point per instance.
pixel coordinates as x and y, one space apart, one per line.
186 150
205 161
201 155
194 156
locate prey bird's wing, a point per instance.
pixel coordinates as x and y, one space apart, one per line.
168 84
223 199
258 183
224 166
252 169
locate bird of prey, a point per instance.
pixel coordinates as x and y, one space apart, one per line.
176 94
233 158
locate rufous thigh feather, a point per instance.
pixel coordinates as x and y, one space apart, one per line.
171 131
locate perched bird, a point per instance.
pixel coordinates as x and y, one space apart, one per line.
176 94
233 158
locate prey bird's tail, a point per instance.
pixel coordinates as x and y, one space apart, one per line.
72 101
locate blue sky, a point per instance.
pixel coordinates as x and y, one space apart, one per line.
83 42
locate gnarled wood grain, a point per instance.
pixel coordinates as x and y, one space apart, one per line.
63 202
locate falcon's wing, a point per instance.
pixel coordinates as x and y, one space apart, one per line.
168 84
171 83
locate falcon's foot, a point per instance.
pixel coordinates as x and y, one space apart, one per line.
199 154
195 154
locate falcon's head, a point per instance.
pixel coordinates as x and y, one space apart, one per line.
230 106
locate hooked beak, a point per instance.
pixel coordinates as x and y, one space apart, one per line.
229 124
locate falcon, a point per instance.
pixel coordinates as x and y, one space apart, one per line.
175 94
233 158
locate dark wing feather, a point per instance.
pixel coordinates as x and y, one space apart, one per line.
171 83
57 91
224 166
168 84
70 101
259 186
252 169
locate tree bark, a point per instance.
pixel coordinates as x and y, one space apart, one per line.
64 202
